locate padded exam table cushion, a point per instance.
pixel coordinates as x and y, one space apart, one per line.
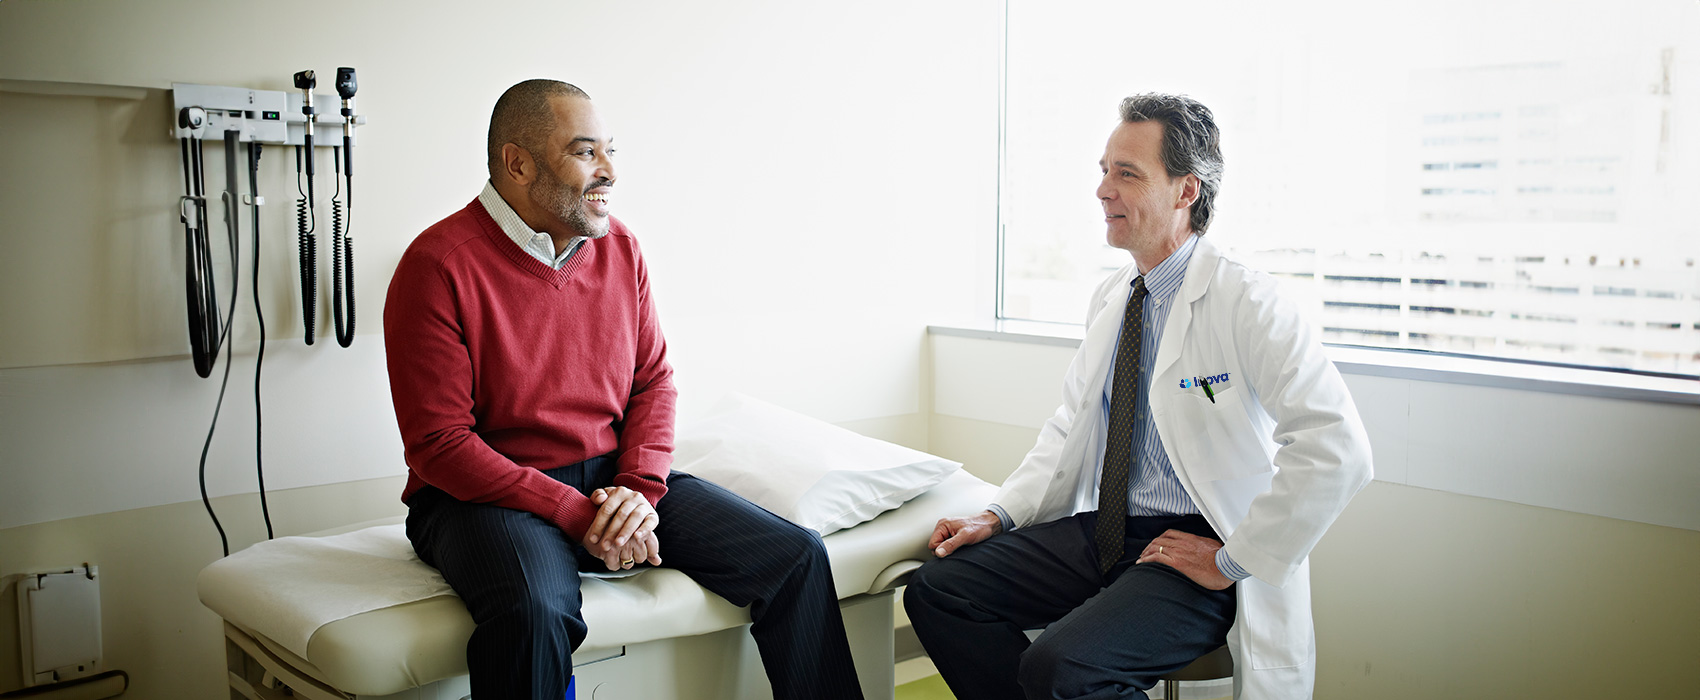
390 649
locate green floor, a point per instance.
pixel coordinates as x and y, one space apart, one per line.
929 688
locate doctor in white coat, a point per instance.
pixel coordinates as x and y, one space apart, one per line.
1245 447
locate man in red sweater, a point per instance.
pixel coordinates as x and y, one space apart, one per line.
536 405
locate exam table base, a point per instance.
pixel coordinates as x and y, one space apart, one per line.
721 665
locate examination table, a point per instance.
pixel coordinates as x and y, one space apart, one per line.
654 634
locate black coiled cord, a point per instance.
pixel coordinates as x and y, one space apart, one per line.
342 250
306 222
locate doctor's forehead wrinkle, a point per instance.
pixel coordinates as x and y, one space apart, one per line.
1125 164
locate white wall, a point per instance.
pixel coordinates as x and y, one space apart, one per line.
812 184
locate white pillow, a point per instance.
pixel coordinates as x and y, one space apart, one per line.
810 472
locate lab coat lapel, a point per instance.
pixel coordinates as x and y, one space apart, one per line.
1099 346
1198 272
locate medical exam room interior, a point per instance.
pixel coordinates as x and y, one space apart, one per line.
876 220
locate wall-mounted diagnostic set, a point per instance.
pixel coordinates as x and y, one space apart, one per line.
251 119
258 117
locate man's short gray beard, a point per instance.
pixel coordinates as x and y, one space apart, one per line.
568 206
585 224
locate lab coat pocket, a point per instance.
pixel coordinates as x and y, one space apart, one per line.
1220 442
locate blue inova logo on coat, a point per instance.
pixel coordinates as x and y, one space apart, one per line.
1198 381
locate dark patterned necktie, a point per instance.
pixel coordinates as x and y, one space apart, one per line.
1124 425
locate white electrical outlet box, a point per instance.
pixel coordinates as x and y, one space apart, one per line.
59 624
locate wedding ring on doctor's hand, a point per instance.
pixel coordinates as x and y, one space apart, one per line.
627 562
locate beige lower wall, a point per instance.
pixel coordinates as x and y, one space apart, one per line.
152 624
909 430
1422 593
987 450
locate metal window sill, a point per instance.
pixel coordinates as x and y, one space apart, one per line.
1402 364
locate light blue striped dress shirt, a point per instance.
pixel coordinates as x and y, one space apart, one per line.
1152 486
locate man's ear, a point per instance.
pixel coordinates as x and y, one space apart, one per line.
517 164
1189 192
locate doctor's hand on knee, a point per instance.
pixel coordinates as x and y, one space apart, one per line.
952 534
621 514
1189 554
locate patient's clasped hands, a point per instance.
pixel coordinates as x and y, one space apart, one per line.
623 532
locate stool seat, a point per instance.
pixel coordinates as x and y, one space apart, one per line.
1212 666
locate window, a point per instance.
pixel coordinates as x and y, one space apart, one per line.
1518 185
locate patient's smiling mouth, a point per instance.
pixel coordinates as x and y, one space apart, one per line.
598 202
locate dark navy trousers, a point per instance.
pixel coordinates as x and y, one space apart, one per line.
1106 635
519 577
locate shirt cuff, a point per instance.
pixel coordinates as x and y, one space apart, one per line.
1003 517
1228 568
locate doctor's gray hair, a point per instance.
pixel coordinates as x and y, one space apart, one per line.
1192 145
524 118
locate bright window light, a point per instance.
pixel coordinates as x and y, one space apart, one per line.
1511 179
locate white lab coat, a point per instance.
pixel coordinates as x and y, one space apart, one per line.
1271 462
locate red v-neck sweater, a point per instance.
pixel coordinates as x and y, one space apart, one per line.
501 366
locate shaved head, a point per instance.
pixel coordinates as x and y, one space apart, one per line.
523 117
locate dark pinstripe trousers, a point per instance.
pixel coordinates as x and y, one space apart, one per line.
1107 635
518 575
